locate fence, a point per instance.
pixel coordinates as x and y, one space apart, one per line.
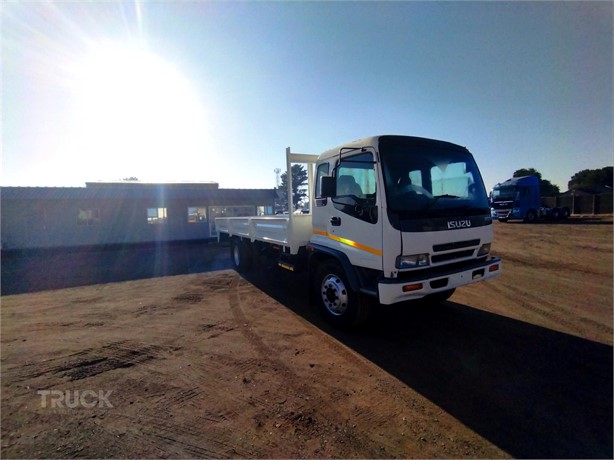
581 203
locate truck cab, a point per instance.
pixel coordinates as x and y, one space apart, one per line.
520 198
516 198
402 218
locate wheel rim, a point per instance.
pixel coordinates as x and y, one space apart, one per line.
235 255
334 295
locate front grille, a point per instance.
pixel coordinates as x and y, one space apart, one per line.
452 256
455 245
442 270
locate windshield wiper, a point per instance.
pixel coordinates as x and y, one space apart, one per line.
436 199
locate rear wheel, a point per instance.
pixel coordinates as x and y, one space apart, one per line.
240 255
340 305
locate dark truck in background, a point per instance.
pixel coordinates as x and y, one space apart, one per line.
520 198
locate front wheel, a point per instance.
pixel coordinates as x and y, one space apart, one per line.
339 304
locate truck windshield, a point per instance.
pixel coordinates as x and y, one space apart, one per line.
504 193
431 178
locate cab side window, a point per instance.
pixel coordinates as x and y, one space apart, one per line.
356 187
356 176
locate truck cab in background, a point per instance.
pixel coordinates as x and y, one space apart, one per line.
519 198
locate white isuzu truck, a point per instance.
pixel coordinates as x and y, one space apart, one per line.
391 219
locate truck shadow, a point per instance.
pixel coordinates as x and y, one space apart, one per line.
38 270
531 391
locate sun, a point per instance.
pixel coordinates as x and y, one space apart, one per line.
134 114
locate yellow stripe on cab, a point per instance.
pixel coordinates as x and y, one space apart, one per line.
351 243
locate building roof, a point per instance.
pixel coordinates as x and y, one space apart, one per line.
150 191
140 184
596 190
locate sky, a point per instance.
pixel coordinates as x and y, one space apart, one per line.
216 91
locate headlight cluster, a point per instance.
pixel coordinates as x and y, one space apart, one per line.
484 250
413 261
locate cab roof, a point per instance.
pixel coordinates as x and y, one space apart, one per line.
374 142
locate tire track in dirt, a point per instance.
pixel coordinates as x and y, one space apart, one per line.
90 362
160 437
219 449
153 308
213 330
178 398
182 435
264 352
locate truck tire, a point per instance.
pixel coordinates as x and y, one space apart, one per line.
555 214
240 255
530 217
565 213
339 304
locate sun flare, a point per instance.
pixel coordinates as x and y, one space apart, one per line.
134 113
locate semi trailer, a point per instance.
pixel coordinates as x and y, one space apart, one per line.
519 198
391 219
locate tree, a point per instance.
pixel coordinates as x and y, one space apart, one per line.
547 188
527 172
299 180
591 178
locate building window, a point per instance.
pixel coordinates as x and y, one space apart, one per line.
264 210
88 217
197 215
156 215
232 211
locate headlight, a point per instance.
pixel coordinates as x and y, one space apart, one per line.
484 250
413 261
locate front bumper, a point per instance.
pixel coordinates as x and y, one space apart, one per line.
391 291
501 213
506 213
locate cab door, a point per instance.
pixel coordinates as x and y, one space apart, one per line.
350 221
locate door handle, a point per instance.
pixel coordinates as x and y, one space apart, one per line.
335 221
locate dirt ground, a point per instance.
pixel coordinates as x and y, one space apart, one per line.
215 365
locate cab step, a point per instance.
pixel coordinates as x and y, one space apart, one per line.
286 265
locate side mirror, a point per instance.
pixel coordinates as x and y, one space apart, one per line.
328 186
